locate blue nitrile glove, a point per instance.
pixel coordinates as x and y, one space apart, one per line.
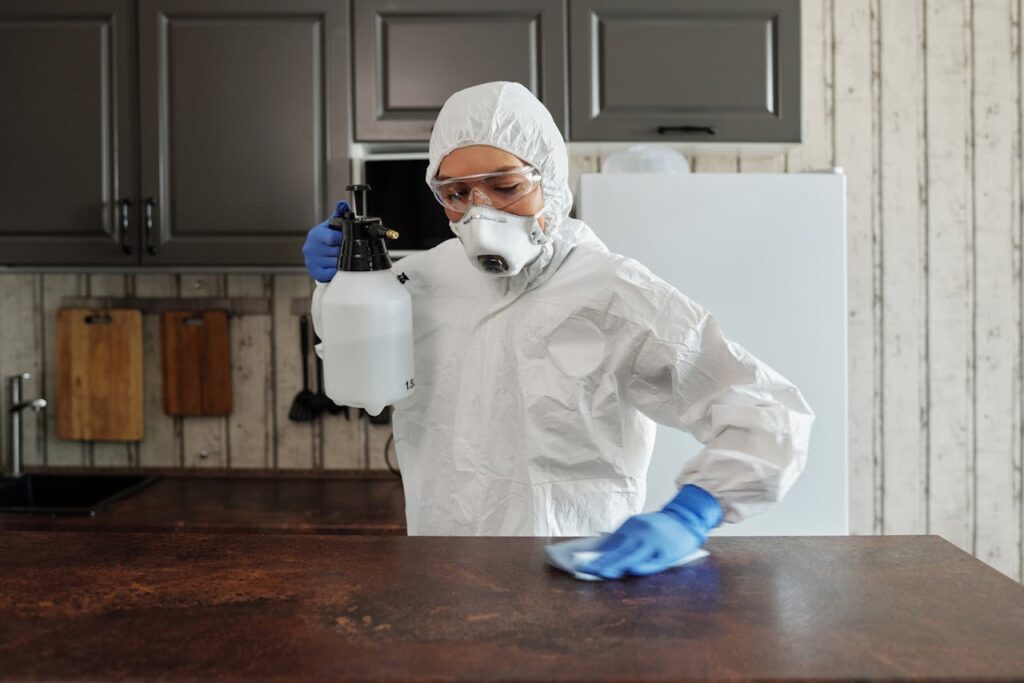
323 244
649 543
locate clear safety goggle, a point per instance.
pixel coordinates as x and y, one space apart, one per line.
497 189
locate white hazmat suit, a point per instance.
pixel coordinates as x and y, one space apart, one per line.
537 395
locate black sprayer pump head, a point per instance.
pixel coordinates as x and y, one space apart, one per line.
362 242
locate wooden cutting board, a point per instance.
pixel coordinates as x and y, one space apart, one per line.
99 374
196 363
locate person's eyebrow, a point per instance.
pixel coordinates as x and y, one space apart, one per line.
510 167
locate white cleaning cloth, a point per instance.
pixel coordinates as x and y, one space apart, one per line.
568 555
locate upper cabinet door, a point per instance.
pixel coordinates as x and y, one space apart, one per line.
67 135
244 127
410 56
685 70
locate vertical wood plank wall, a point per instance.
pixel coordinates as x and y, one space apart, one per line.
920 102
266 375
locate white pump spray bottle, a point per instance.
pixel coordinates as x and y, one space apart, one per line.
367 317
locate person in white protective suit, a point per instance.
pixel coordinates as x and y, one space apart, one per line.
543 362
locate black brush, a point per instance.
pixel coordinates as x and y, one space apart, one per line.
303 404
320 401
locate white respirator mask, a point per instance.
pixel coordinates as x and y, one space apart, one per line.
497 242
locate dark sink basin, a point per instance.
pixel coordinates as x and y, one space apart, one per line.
67 494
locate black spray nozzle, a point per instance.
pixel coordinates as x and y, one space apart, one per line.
382 232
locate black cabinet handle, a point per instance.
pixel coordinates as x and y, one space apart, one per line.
710 130
125 246
150 247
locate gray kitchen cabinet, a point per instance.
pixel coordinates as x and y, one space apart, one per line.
170 132
410 56
244 127
68 152
685 70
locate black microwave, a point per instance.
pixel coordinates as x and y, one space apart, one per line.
401 199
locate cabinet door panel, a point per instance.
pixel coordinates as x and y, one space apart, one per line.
245 130
410 57
67 133
671 71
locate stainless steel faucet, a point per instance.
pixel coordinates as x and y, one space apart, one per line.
14 419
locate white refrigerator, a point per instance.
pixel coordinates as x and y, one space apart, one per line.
766 254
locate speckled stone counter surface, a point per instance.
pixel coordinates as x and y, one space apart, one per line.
248 607
296 503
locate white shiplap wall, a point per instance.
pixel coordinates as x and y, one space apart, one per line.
920 103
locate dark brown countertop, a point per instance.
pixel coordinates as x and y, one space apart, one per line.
84 606
255 504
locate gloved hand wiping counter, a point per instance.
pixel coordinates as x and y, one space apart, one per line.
543 362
